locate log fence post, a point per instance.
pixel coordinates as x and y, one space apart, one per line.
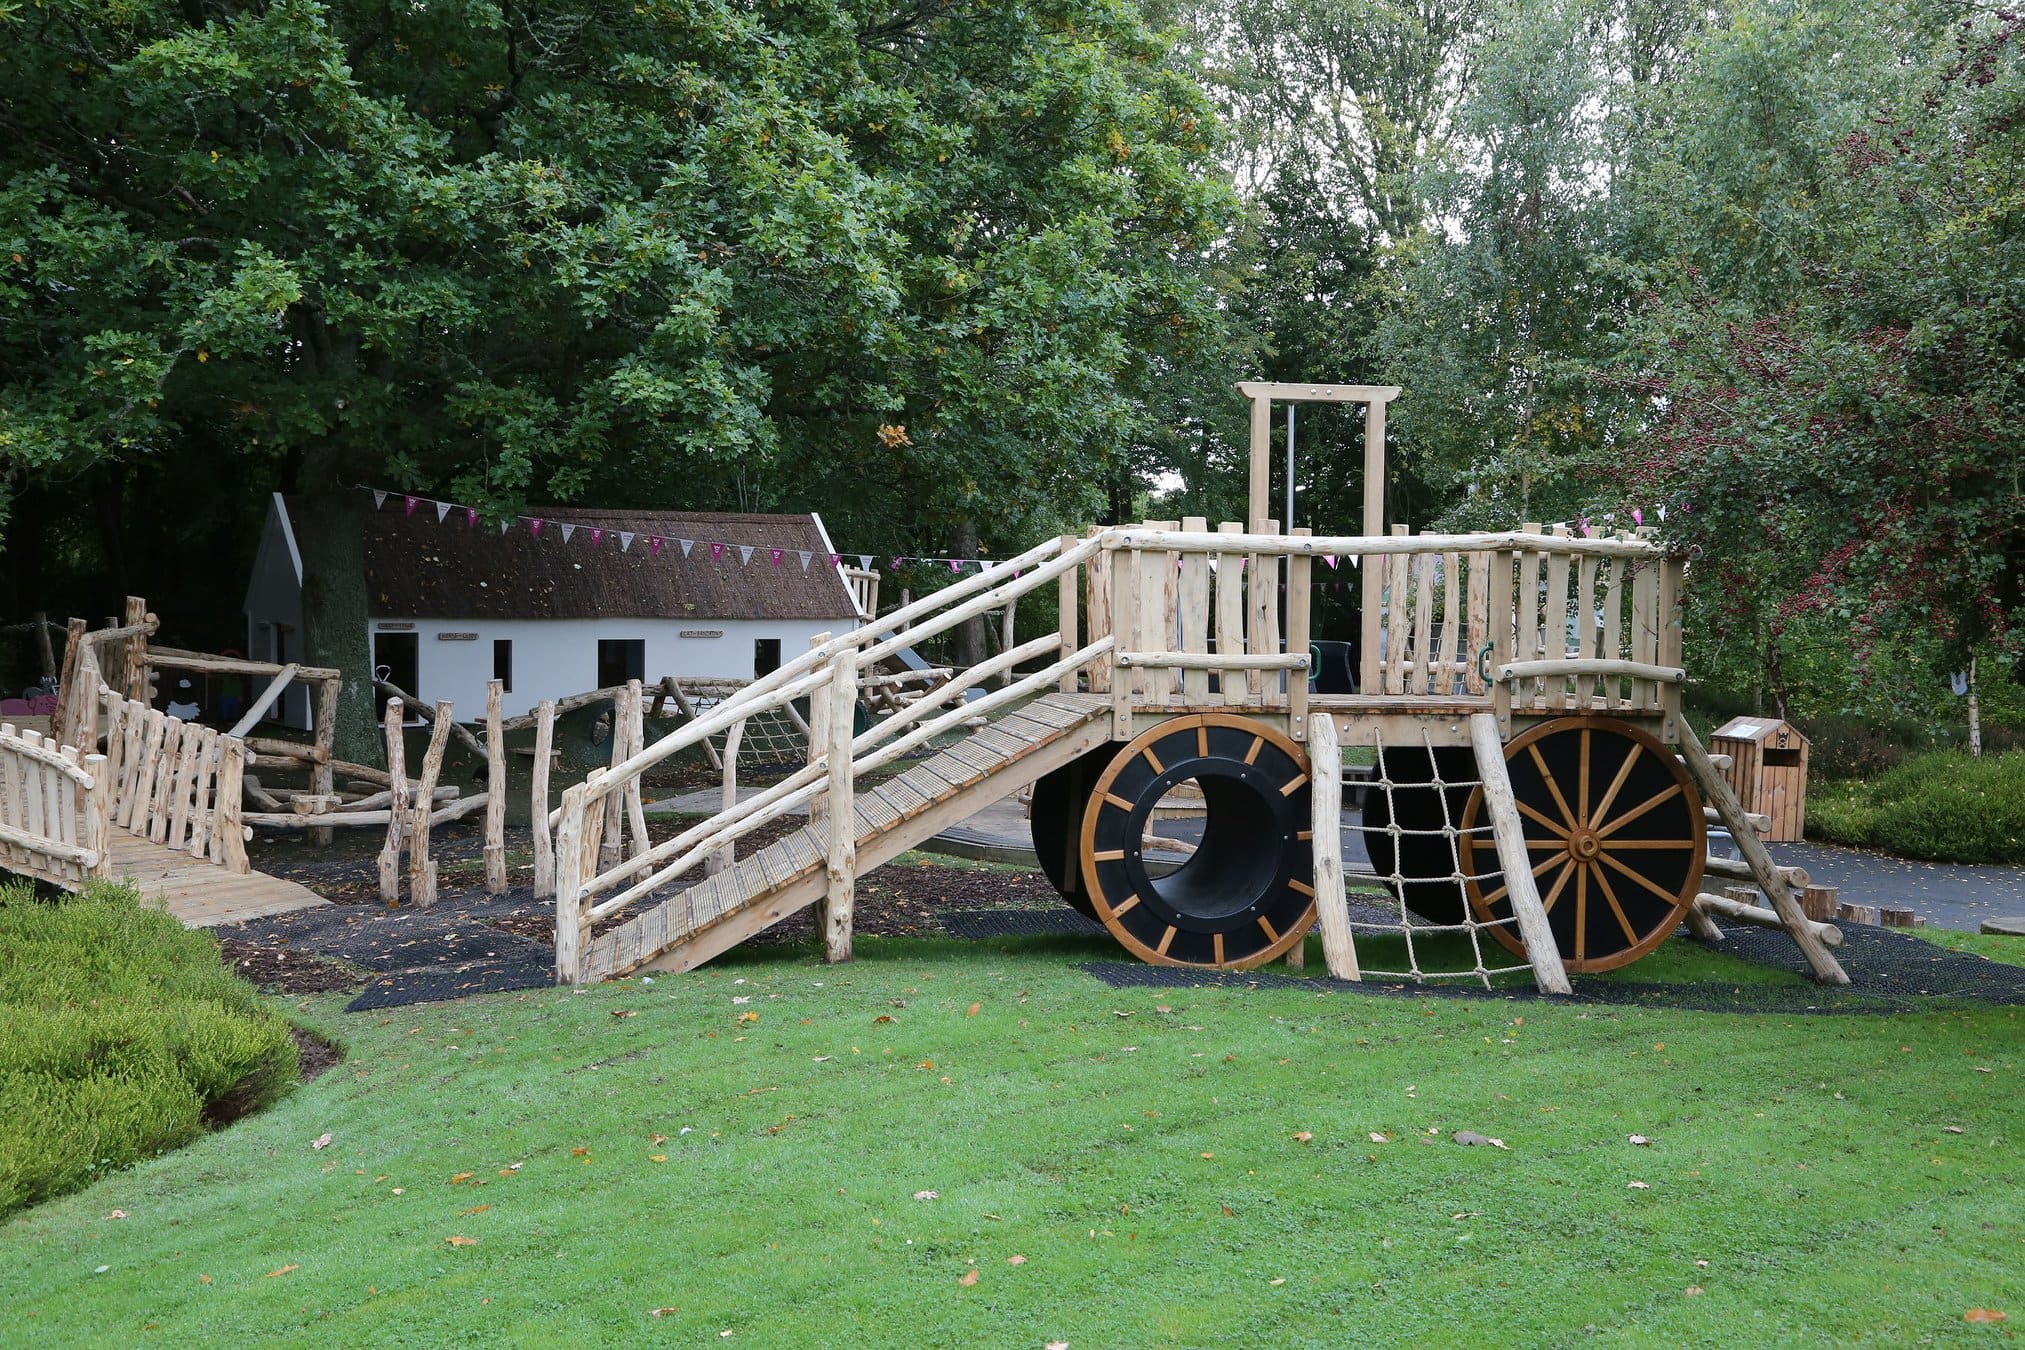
397 803
841 865
495 791
544 751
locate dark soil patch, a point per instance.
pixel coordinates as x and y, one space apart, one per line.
283 970
907 899
318 1056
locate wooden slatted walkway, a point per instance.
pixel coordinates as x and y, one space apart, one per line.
200 893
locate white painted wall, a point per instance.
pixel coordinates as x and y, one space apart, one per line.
554 658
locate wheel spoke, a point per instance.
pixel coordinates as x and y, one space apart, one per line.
1553 787
1547 900
1635 812
1603 884
1617 783
1533 815
1651 843
1581 911
1582 784
1663 894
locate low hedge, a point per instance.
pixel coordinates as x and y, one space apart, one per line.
121 1035
1942 806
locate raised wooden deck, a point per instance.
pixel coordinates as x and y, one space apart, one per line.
200 893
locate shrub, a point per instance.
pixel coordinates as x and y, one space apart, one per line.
121 1035
1941 806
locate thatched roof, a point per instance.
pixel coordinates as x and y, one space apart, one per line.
417 568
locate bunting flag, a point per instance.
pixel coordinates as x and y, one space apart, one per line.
687 544
806 556
955 566
1330 559
597 535
774 553
413 502
654 544
836 560
625 541
717 553
745 553
442 510
899 562
567 530
505 525
865 561
379 499
470 517
534 527
1637 516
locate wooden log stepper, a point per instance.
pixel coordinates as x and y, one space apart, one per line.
1245 896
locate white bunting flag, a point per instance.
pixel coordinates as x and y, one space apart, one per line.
625 540
379 500
442 510
865 561
567 531
805 556
983 566
745 553
687 544
503 526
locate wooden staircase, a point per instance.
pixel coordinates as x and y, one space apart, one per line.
1014 749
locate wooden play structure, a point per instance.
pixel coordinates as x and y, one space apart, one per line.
1519 691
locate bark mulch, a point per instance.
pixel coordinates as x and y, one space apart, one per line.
284 970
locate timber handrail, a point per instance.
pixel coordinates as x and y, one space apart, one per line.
1580 666
1358 545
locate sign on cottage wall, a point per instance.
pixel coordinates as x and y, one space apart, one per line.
457 637
702 632
395 627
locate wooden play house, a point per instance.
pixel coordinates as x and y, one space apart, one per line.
1768 771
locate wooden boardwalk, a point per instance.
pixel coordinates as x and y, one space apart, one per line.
203 894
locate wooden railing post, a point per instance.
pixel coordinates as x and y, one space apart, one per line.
495 790
1670 644
1098 602
574 851
322 779
422 868
1262 626
544 750
97 820
230 827
1123 567
841 866
727 797
67 684
397 803
1065 614
819 737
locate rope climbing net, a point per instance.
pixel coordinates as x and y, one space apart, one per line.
1422 821
771 736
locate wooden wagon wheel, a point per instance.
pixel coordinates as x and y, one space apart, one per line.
1617 834
1245 895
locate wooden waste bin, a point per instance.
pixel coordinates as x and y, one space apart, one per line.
1768 770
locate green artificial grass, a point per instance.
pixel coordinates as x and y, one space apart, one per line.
741 1150
121 1035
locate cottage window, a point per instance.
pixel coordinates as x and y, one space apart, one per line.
620 660
502 663
765 657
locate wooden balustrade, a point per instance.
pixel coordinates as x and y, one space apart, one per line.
53 810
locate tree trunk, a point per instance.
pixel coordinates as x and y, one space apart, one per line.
970 633
329 529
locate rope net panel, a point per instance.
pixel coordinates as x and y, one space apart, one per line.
1422 826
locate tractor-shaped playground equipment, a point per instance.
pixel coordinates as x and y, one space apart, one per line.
1532 787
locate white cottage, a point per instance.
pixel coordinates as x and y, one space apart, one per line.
451 607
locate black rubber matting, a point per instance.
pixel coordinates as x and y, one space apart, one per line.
1889 972
978 925
405 988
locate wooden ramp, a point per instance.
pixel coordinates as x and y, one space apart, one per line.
200 893
703 921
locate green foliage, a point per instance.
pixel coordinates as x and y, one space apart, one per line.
1942 806
121 1035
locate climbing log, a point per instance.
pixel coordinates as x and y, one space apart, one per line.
1510 837
1758 915
841 865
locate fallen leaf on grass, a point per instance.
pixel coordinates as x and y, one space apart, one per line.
1162 1007
321 1141
969 1277
1277 1283
1058 1345
461 1241
281 1271
580 1152
1303 1136
973 1010
658 1139
1952 1129
624 1013
662 1312
1228 1212
1637 1186
882 1017
1209 1155
657 1157
1474 1140
117 1214
475 1209
926 1195
203 1279
1982 1315
461 1178
1640 1140
1692 1290
1015 1260
1378 1138
748 1017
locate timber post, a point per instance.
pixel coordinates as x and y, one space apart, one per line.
495 792
230 828
571 855
397 804
321 779
1332 904
841 865
1510 836
544 750
421 867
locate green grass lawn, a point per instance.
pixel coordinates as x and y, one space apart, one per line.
742 1149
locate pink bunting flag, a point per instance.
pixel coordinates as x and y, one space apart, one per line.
1583 526
955 566
899 562
774 553
717 553
1637 516
836 560
654 544
597 535
412 502
470 517
534 526
1330 559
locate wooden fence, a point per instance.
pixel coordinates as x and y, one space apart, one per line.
174 782
53 810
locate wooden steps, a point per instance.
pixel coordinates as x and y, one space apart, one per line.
1014 749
